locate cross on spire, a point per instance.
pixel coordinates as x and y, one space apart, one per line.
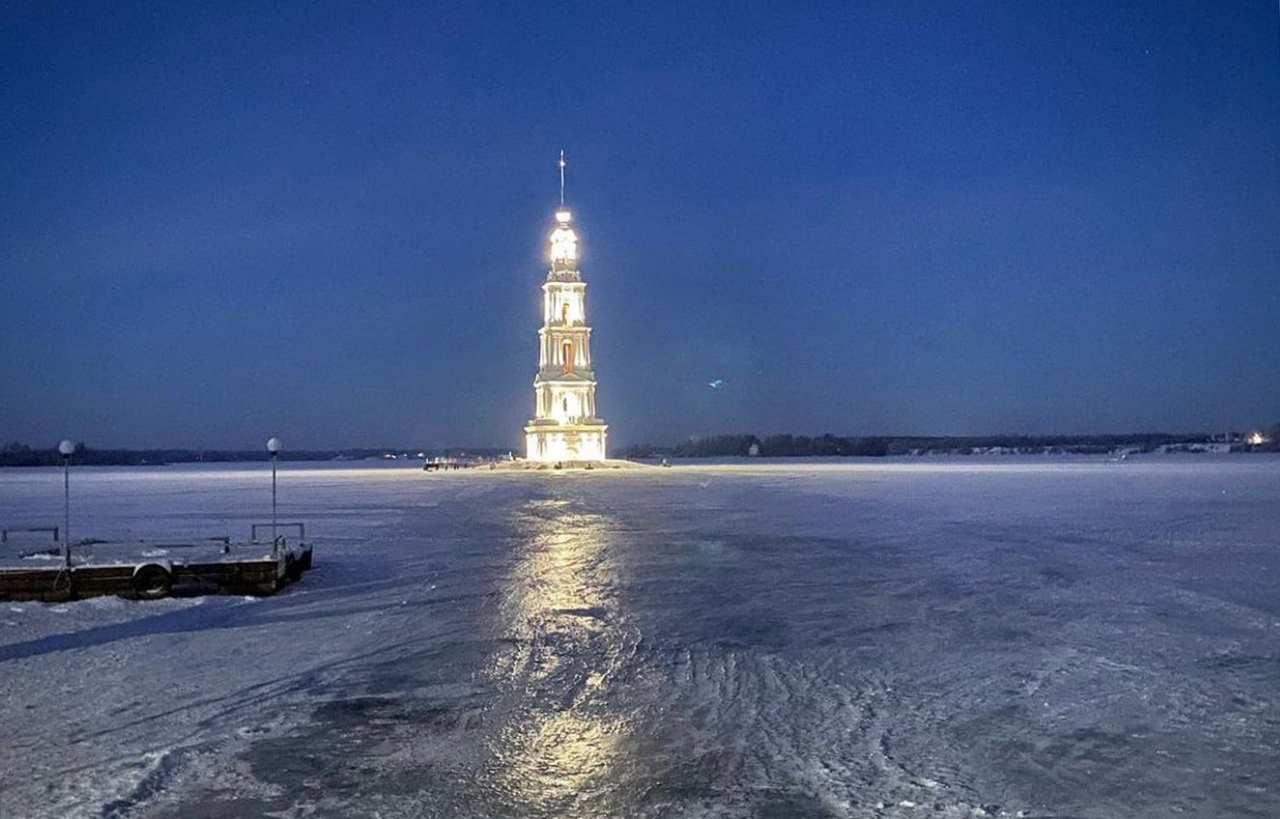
562 164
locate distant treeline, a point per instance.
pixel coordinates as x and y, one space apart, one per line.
713 446
19 454
774 446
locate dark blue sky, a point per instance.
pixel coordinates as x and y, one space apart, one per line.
325 221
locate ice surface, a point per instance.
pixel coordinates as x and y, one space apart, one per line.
940 638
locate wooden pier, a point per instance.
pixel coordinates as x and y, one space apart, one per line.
144 570
443 465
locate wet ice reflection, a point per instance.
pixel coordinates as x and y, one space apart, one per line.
552 763
565 632
561 583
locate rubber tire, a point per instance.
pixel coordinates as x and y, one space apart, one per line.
151 582
292 569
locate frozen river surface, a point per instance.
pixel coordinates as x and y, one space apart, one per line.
862 639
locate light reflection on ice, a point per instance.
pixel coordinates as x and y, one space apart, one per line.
566 628
550 761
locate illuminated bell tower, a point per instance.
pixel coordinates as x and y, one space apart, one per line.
564 426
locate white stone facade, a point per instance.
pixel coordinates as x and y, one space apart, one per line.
564 426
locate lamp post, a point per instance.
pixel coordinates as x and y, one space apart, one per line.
66 447
273 446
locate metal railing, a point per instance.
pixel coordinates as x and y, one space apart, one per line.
53 530
277 540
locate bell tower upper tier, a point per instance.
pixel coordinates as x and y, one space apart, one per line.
564 248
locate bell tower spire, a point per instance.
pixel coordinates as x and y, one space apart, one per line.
562 164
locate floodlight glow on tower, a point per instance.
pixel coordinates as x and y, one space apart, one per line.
564 426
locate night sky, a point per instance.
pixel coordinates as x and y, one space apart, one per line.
328 222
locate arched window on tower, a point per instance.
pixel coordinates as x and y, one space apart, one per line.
571 408
564 312
568 356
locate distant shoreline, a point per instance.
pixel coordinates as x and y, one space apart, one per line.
717 446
